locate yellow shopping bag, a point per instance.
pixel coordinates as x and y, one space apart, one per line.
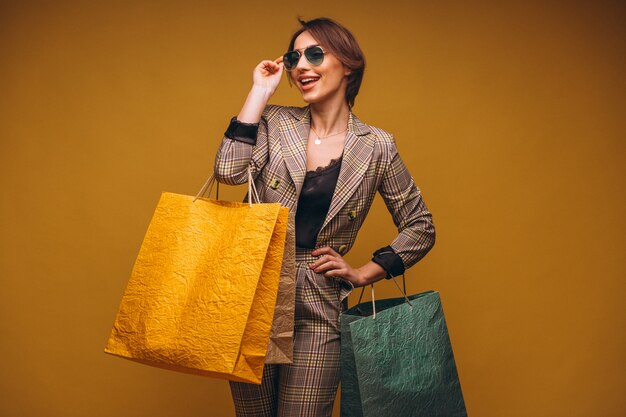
202 293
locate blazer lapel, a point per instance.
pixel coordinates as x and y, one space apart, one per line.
356 158
357 154
294 134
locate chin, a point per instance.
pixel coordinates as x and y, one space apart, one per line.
310 98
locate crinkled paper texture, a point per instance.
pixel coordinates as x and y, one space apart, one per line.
400 363
202 293
280 348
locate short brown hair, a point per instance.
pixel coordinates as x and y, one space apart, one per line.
340 42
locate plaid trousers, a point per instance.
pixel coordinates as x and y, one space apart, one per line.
307 387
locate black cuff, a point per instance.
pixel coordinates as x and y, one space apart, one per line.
390 261
242 132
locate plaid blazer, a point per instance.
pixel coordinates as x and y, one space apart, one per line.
370 164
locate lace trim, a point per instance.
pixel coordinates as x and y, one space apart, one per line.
332 163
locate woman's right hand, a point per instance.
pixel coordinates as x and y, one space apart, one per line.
266 77
267 74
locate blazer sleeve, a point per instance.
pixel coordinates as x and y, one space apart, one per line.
416 231
233 157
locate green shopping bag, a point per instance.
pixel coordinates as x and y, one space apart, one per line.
397 361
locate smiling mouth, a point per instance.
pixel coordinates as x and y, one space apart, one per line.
308 82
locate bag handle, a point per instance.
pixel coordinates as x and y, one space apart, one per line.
208 185
403 291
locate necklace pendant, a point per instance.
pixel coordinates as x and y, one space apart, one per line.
317 141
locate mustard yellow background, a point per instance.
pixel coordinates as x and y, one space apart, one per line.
510 116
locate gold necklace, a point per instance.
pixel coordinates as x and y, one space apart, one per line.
318 139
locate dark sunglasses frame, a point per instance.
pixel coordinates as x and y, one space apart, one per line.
314 54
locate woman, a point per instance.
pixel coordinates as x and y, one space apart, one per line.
325 165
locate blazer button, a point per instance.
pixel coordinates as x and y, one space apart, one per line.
352 215
342 249
274 184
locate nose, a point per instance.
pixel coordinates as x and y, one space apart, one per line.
303 64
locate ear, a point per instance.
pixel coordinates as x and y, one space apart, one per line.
347 72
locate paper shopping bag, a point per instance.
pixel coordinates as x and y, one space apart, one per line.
202 293
398 361
280 348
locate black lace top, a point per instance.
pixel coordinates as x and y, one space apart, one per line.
314 202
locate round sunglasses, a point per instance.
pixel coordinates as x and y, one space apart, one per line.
314 54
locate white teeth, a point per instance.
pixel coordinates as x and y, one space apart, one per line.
308 80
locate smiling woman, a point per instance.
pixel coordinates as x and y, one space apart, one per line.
340 42
327 72
326 166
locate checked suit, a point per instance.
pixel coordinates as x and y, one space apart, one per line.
370 164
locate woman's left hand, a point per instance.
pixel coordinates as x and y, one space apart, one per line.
331 264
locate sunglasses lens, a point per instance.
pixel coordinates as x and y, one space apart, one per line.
290 59
314 54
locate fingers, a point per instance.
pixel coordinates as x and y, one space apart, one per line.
329 261
332 265
270 67
335 269
336 273
326 250
326 254
328 265
321 261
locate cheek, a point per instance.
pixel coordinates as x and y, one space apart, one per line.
337 79
335 75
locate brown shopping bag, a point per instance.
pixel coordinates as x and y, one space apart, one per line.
280 348
202 293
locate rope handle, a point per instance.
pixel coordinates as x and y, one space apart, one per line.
208 185
403 291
